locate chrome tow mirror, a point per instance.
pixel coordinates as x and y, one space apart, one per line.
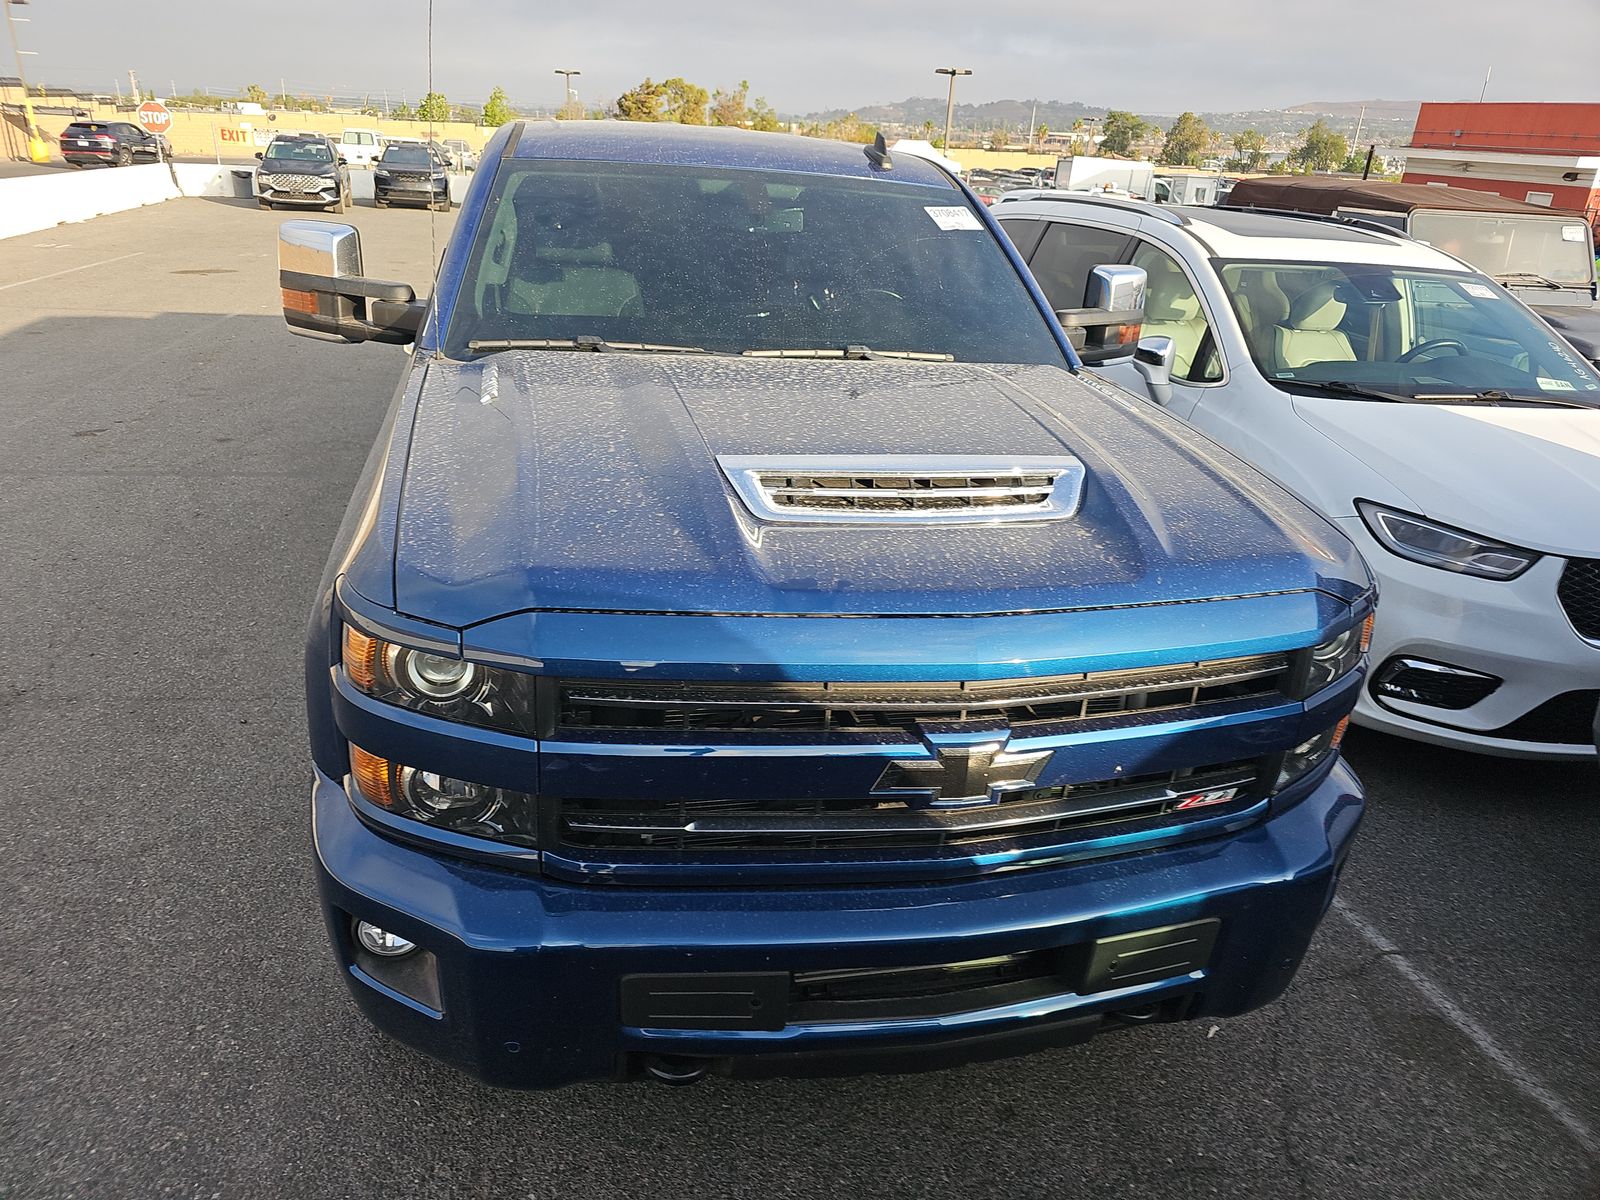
326 296
1107 328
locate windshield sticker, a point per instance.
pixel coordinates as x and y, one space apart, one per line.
1481 290
1555 385
953 216
1572 233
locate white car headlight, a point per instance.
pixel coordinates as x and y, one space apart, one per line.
1442 546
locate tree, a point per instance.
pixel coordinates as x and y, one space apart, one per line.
1322 149
256 94
470 113
1186 141
641 102
763 118
731 107
998 139
685 102
496 111
434 107
1250 147
1121 131
928 130
402 112
1041 134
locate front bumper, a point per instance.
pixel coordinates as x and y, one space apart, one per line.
1515 631
530 972
320 199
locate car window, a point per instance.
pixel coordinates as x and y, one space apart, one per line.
300 152
408 156
1024 234
735 260
1173 309
1066 255
1401 331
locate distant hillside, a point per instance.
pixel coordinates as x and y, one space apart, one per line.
1385 121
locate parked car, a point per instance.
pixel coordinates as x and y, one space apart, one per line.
111 144
1545 258
1411 399
755 649
360 147
461 156
411 173
304 170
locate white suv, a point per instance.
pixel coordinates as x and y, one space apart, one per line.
1452 434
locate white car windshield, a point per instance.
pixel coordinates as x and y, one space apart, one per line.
1400 334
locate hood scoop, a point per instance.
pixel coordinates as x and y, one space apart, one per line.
914 489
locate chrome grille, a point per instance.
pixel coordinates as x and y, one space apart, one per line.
295 183
906 489
871 823
873 709
1579 591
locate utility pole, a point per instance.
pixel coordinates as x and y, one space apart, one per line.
950 103
133 86
1485 91
566 96
1360 121
37 150
1032 117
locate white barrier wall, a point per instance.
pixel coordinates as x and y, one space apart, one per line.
29 203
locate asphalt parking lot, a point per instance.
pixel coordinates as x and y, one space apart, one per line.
173 468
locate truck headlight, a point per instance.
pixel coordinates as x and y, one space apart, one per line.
455 689
459 805
1338 656
1309 755
1443 546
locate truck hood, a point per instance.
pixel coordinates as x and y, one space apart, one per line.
1528 476
590 482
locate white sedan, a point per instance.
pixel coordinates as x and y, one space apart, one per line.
1453 435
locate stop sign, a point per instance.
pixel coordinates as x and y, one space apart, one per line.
154 117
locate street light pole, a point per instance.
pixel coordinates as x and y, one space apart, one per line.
950 103
37 150
566 96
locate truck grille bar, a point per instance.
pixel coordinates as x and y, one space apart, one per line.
871 823
869 708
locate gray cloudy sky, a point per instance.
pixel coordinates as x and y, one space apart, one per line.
1154 56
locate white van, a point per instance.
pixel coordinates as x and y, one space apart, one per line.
360 147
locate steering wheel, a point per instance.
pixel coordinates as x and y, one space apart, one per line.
1426 348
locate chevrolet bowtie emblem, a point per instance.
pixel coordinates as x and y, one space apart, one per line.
968 769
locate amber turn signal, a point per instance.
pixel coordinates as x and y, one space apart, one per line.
361 658
372 776
294 301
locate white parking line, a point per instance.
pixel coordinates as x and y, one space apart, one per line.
1523 1079
104 262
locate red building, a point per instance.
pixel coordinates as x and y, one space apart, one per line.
1541 153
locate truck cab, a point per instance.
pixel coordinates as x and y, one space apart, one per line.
755 646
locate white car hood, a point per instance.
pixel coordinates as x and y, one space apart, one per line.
1528 476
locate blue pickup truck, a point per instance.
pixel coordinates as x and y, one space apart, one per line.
755 648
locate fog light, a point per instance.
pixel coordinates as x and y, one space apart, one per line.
1421 681
381 942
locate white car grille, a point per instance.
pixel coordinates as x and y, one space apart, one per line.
295 183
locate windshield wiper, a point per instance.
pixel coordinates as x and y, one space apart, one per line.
852 352
584 342
1537 278
1495 396
1339 387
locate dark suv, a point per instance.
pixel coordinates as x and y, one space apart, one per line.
305 170
412 173
114 143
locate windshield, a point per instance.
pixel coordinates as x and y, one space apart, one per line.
407 156
299 152
736 260
1503 245
1407 333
